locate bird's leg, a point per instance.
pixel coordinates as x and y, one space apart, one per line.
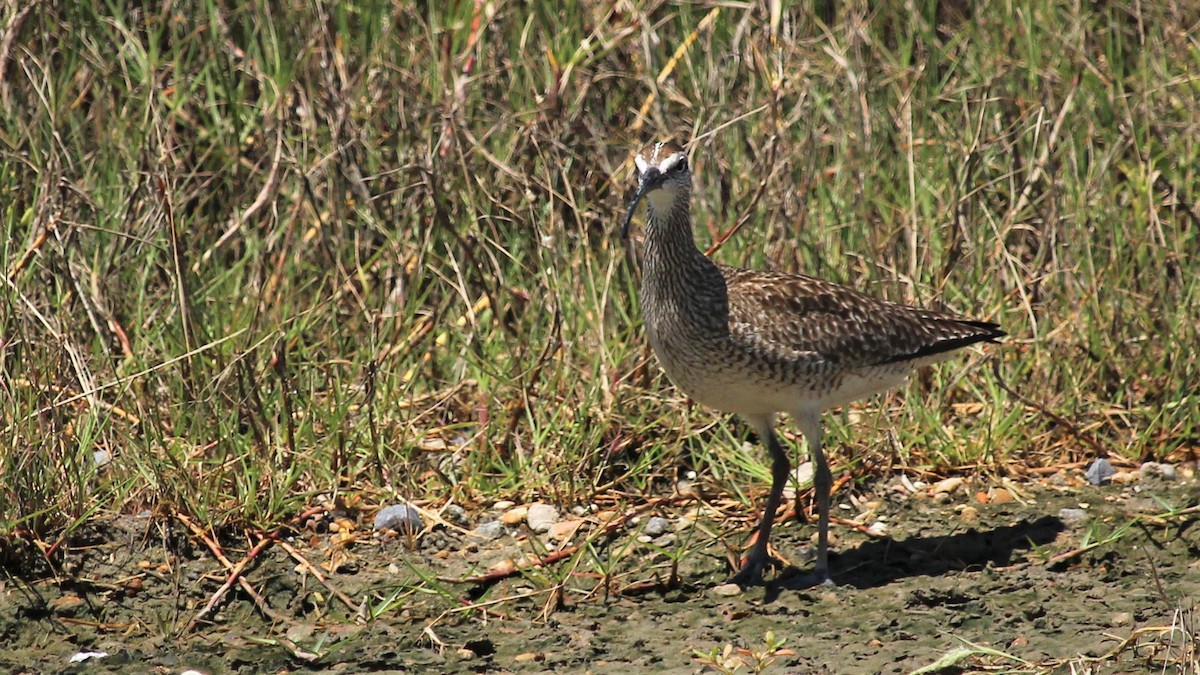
810 424
759 559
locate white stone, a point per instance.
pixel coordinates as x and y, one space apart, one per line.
541 517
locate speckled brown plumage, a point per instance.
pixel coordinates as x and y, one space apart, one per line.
757 343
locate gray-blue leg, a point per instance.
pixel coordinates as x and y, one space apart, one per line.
759 559
809 422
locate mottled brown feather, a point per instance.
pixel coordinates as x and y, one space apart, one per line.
794 313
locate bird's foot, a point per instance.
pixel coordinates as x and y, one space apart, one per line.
752 570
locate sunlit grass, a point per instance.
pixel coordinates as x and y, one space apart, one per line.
263 257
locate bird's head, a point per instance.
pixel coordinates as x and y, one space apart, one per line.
663 179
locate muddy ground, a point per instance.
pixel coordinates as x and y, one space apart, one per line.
1095 588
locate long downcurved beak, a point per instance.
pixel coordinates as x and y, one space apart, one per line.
648 182
637 197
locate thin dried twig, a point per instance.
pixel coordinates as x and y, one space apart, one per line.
316 573
235 571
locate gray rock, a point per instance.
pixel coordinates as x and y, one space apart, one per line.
399 517
656 526
455 514
487 531
1072 517
1100 472
541 517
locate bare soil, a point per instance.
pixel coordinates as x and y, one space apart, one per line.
1023 577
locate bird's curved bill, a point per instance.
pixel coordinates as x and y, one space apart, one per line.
633 204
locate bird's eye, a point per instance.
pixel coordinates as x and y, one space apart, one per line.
681 165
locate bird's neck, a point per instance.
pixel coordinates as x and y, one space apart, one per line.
676 276
670 247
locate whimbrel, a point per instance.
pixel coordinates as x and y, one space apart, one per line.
757 343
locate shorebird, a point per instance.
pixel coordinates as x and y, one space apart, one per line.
757 343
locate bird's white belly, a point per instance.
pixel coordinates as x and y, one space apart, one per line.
731 389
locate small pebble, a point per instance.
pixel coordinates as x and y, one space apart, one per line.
1142 505
656 526
514 516
1000 496
802 477
727 590
1125 477
969 514
644 539
489 530
1072 517
399 517
503 505
541 517
504 566
1100 472
947 485
803 473
1157 470
455 514
665 541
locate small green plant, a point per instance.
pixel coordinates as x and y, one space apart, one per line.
729 659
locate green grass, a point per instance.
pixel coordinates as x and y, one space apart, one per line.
262 253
